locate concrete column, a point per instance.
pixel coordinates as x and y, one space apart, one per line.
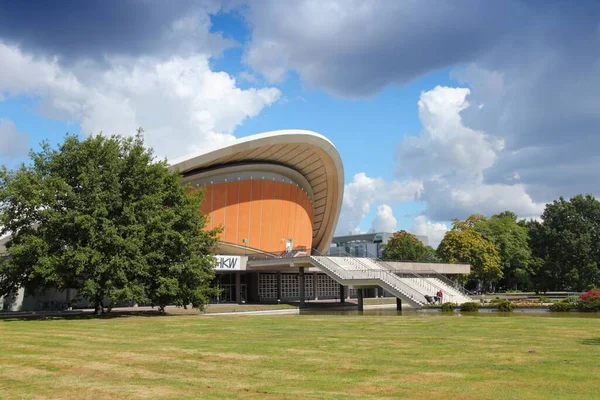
238 288
342 297
360 299
278 285
398 304
68 299
255 288
315 296
301 285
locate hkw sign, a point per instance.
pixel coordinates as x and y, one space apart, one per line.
229 263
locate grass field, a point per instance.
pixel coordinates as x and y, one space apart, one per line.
273 357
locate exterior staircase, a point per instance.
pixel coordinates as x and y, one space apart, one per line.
408 286
351 272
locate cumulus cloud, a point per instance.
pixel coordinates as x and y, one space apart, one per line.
355 48
364 191
384 220
13 143
181 103
451 158
434 231
446 146
444 167
545 113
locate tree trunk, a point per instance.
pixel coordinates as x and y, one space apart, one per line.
98 306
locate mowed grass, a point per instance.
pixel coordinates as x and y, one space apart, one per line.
301 356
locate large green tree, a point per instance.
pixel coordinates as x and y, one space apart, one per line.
404 246
511 241
463 244
566 244
101 216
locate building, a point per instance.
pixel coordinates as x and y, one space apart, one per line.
277 197
364 244
277 193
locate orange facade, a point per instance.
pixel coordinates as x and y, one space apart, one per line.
266 213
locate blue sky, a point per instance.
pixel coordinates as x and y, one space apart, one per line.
438 112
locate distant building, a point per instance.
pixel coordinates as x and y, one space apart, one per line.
364 244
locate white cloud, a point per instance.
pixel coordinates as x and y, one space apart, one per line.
445 146
181 103
434 231
451 159
444 167
364 191
248 77
384 220
13 143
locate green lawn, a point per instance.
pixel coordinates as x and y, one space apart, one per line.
273 357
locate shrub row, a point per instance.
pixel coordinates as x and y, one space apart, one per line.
562 306
587 302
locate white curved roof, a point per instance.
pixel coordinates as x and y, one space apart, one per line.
310 154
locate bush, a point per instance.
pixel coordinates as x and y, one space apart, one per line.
571 299
497 300
590 294
562 306
469 307
505 306
545 300
589 305
447 307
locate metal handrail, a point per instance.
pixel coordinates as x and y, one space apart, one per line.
393 280
413 273
396 283
364 272
452 283
449 282
332 267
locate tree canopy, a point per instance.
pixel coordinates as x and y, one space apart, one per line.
404 246
566 244
463 244
101 216
511 241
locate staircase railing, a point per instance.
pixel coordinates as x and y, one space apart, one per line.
365 272
390 278
451 283
444 279
420 280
